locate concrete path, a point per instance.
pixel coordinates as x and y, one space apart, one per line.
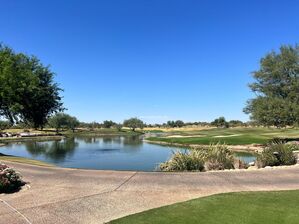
62 196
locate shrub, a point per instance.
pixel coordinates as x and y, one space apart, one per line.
213 157
277 154
10 180
217 157
184 161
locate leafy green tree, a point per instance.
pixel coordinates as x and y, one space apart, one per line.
72 123
119 127
179 123
62 120
108 124
171 124
277 89
133 123
4 125
235 123
28 92
58 121
220 123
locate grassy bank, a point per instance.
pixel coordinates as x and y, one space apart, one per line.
4 158
102 132
230 136
35 138
232 208
50 134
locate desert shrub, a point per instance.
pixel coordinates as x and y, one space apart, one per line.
10 180
213 157
277 154
294 146
184 161
217 157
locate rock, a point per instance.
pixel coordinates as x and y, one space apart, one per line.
251 163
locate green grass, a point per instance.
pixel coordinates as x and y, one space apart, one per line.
232 208
67 133
102 132
17 159
243 136
24 139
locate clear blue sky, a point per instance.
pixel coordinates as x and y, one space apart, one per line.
154 59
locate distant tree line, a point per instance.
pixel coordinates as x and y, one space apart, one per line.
29 96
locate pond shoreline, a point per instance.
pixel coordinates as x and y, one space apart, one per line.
40 138
4 141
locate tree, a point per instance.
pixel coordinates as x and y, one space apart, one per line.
235 123
171 124
62 120
179 123
133 123
119 127
4 125
72 123
57 121
220 123
174 124
28 92
108 124
277 89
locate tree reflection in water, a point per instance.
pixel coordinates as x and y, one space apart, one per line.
55 150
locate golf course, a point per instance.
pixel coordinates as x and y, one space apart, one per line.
230 208
149 112
230 136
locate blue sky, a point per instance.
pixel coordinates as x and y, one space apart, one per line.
155 59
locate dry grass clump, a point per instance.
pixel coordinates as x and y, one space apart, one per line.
213 157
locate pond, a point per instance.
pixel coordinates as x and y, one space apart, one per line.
103 153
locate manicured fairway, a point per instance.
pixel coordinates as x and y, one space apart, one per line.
233 208
231 136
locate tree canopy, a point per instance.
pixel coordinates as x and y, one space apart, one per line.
133 123
108 124
220 122
277 89
62 120
174 124
28 92
4 125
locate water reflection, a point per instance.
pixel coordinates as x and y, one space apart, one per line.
109 152
55 150
133 141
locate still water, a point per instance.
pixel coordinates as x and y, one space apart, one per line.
104 153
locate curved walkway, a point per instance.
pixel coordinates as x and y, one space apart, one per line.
57 195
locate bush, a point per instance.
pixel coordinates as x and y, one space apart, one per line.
10 180
277 154
217 157
214 157
184 161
